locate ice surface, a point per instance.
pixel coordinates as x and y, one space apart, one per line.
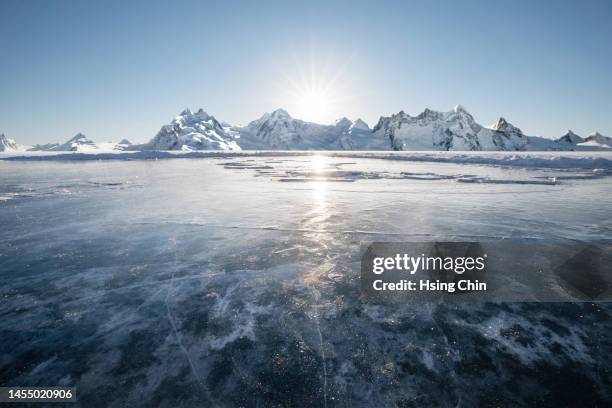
595 161
212 281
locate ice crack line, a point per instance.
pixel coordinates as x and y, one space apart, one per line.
175 330
316 295
324 364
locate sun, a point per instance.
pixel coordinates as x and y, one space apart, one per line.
315 89
314 104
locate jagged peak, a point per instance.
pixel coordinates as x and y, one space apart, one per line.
343 121
501 122
599 138
503 125
200 113
596 134
5 138
460 109
78 136
280 113
570 137
8 143
429 113
360 124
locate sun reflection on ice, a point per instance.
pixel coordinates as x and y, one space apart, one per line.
318 163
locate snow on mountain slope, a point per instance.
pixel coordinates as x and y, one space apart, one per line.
358 136
80 143
505 136
431 130
9 145
44 147
193 131
279 131
360 124
570 138
597 140
458 131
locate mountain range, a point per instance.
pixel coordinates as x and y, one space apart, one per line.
455 130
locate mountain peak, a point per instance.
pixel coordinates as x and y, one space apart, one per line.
460 109
193 131
429 114
280 113
500 124
599 139
202 114
343 122
360 124
570 137
503 125
7 144
78 136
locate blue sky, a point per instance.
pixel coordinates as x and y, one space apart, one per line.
116 69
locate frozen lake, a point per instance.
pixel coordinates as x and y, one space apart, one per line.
234 281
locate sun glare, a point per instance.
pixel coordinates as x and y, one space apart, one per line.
316 90
314 105
318 163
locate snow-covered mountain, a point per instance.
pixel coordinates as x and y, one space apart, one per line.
430 130
124 144
357 135
505 136
9 145
570 138
44 147
78 143
279 131
192 131
360 124
597 140
456 130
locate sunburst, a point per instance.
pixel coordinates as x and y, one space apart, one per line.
316 91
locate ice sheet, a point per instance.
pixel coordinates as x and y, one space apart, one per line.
210 281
